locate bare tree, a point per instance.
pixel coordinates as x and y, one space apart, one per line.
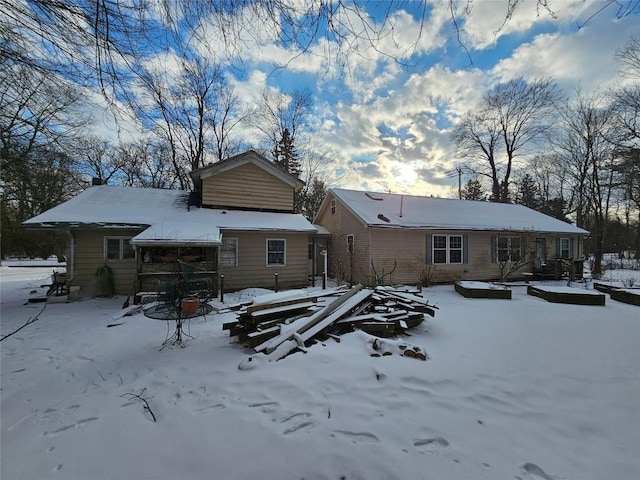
95 157
146 163
512 258
224 117
626 107
279 112
585 146
511 118
192 110
629 58
98 38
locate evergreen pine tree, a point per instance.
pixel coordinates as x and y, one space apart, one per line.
311 198
285 154
473 190
528 193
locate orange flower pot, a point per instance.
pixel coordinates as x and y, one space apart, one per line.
190 305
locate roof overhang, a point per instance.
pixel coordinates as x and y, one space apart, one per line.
82 225
242 159
459 228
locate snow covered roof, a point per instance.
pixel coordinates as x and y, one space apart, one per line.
410 211
111 205
204 226
166 214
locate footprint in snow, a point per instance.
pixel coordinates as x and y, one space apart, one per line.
533 469
432 444
265 407
217 406
293 424
78 424
357 437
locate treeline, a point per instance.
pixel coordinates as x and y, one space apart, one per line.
575 158
48 155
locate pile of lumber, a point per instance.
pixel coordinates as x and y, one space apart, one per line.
278 327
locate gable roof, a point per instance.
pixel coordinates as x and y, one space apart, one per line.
387 210
164 213
252 157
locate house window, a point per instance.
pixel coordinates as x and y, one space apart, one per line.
350 243
565 247
447 248
118 248
276 251
509 249
229 252
333 206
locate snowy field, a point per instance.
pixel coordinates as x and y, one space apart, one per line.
520 389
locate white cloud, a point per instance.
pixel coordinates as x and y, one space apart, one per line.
413 152
110 121
584 58
487 21
400 133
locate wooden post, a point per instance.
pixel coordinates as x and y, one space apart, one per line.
276 279
222 288
324 273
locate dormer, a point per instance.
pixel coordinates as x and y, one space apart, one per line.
247 181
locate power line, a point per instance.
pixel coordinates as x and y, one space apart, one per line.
458 171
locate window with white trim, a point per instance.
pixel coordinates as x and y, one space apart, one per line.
509 249
118 248
446 248
229 252
565 247
276 251
333 206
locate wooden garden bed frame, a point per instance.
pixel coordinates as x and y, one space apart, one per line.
577 298
618 294
496 293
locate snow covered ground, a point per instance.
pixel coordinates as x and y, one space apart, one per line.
520 389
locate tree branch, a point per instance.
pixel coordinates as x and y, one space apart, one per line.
29 322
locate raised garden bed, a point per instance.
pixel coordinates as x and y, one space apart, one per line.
568 295
482 290
624 295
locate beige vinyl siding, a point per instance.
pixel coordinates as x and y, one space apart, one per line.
342 265
247 186
252 269
89 255
405 249
479 266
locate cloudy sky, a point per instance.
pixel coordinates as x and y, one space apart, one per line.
383 116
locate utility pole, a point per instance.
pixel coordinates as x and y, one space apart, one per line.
452 173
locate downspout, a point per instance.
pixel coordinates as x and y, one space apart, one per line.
71 261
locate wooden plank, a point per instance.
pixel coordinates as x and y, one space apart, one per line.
283 309
311 329
364 318
258 337
306 323
230 325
